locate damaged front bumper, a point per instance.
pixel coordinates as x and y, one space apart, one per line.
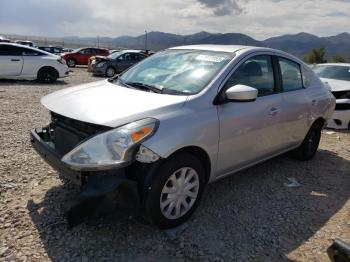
341 116
94 185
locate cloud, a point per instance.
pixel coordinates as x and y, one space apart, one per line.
222 7
257 18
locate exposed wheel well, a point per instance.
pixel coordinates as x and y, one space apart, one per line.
320 120
199 153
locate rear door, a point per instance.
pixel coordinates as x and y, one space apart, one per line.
250 131
11 61
32 61
124 61
296 102
83 56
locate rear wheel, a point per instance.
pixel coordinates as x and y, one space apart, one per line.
175 191
71 62
47 75
308 148
110 72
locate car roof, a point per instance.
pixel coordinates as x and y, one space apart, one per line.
220 48
24 41
27 47
130 51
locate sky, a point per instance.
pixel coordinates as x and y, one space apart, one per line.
260 19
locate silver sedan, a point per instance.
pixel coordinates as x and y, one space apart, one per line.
182 118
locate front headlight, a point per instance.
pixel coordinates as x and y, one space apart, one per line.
112 148
100 64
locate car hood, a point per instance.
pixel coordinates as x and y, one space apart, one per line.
108 104
337 85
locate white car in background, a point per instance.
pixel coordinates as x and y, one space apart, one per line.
23 62
337 77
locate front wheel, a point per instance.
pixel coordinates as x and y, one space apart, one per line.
110 72
175 191
71 62
308 148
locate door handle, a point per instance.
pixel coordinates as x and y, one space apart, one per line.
15 60
273 111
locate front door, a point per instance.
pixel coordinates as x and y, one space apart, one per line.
250 131
11 61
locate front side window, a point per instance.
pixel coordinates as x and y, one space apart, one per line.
333 72
181 71
255 72
291 75
9 50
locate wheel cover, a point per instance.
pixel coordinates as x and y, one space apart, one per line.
48 77
71 62
110 72
179 193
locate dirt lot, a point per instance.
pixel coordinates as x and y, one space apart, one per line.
251 216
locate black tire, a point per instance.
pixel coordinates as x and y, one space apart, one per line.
47 75
71 62
308 148
110 71
152 207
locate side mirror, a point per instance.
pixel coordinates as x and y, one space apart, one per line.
241 93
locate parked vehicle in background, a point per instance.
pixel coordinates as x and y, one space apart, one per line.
81 56
180 119
337 77
4 39
92 59
116 62
67 50
26 42
113 51
52 49
23 62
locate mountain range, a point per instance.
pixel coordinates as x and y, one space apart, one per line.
297 44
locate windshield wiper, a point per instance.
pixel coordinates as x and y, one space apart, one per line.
112 79
144 87
173 92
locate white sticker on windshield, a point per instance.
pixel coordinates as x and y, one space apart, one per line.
210 58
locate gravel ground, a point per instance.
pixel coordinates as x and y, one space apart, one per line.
251 216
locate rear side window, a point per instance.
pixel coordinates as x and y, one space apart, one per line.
9 50
307 76
100 51
30 52
291 75
86 51
255 72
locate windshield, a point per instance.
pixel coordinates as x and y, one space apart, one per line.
181 71
114 55
333 72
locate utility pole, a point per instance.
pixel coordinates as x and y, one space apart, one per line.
98 41
145 40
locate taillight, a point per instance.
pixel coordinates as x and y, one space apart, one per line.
62 61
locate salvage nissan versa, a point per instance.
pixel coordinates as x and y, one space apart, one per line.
182 118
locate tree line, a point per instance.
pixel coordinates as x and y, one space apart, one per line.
318 56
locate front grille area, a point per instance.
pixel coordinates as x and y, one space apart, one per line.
341 94
342 107
67 133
